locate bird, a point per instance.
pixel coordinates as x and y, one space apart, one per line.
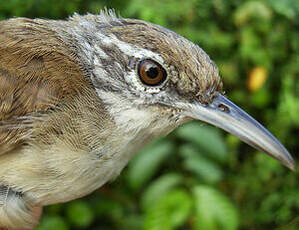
80 97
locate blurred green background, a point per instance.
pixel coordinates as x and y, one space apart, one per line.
198 177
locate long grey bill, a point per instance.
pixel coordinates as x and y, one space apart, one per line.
226 115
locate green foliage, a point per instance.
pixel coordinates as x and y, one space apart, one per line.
169 211
80 209
202 167
220 215
146 163
206 139
159 188
53 222
199 178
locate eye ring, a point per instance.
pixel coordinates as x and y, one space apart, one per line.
151 73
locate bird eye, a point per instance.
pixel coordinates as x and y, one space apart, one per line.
151 73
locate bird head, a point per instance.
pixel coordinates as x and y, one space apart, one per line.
150 78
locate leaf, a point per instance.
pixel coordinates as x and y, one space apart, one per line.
207 138
213 210
53 222
159 188
145 164
203 167
171 212
80 213
287 8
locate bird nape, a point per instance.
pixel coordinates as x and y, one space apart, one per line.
80 97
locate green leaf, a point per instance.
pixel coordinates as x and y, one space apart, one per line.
214 210
206 138
287 8
80 213
203 167
52 222
171 212
158 188
145 164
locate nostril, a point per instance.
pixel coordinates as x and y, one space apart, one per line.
224 108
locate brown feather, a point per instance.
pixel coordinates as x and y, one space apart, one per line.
36 73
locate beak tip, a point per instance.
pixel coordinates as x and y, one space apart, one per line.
289 161
286 159
291 165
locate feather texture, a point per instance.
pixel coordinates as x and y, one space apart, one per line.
35 74
73 110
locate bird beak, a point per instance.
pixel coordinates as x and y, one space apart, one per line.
224 114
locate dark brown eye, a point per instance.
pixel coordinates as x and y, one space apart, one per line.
151 73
